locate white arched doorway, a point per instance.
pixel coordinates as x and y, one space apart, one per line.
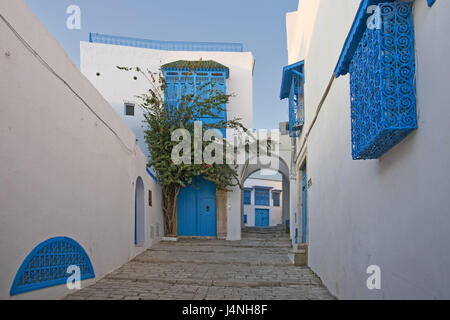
139 213
274 164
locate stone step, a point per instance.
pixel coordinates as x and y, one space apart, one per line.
250 258
219 282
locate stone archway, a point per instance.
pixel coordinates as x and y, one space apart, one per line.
273 163
139 213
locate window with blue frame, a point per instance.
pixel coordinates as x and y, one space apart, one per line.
262 196
380 59
196 78
276 198
245 219
292 87
248 196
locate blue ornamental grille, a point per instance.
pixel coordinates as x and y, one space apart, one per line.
296 107
383 104
47 265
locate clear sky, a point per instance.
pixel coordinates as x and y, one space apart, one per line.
258 24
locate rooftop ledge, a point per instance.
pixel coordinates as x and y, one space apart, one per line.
165 45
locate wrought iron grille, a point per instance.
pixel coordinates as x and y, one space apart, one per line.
382 84
47 265
296 107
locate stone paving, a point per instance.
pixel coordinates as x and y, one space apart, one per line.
255 268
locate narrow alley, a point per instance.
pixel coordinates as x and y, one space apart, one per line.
255 268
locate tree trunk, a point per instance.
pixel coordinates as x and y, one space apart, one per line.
169 206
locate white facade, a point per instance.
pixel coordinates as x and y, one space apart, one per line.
68 163
275 212
98 62
394 211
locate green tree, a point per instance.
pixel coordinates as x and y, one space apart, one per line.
162 117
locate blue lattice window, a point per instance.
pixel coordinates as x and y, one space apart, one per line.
247 196
380 59
262 196
47 265
196 78
292 87
276 198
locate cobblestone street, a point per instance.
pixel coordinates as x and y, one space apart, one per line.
255 268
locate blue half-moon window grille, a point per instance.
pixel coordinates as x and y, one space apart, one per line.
47 264
380 59
262 196
247 196
188 81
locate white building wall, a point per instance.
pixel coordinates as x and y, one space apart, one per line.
119 87
65 170
392 212
275 213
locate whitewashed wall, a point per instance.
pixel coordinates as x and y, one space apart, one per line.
275 213
395 211
63 172
119 87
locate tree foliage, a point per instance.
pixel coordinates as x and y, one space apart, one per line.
163 116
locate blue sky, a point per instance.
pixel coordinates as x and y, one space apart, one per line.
258 24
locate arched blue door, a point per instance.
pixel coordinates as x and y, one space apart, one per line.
139 213
197 214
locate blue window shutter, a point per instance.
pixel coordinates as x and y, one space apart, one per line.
247 197
262 197
47 265
180 83
431 2
276 199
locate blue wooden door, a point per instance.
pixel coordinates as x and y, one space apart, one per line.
207 219
197 214
305 202
261 217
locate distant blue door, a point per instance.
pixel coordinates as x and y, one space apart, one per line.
261 217
197 214
305 202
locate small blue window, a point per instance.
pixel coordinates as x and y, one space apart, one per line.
247 196
262 196
245 219
276 198
48 263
